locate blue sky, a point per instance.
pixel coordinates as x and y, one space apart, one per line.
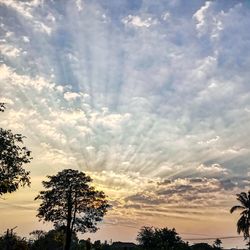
151 98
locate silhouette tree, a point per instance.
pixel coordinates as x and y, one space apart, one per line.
217 244
85 244
243 224
2 107
37 234
54 239
88 244
12 157
201 246
146 238
97 245
69 201
165 239
10 241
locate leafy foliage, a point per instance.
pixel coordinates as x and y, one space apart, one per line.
217 244
11 241
243 224
201 246
70 202
146 237
165 239
54 239
2 107
12 157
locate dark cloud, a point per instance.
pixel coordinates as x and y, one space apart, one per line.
235 182
188 193
144 199
177 190
164 182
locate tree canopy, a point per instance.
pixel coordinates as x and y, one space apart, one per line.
54 239
151 238
13 155
69 201
10 241
201 246
217 244
243 224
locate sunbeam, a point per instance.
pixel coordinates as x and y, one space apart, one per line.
151 99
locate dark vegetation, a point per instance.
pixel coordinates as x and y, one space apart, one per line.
73 205
149 238
154 238
13 155
243 224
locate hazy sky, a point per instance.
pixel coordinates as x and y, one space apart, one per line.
149 97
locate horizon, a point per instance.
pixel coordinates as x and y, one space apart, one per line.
150 99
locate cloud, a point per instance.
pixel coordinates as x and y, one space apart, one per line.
143 100
200 17
166 16
23 8
71 95
144 198
136 21
55 156
9 51
189 192
79 5
213 170
39 26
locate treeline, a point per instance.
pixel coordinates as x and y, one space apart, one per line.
149 238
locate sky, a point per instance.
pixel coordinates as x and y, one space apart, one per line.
150 98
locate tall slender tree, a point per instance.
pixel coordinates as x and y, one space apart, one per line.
71 203
243 224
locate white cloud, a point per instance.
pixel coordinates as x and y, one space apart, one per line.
26 39
200 17
5 71
109 121
79 5
6 101
55 157
71 96
24 81
212 170
137 21
212 140
39 26
166 16
21 7
9 50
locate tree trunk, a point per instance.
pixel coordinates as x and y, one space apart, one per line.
68 239
248 238
69 219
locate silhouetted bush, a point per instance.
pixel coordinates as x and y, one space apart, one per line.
201 246
151 238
